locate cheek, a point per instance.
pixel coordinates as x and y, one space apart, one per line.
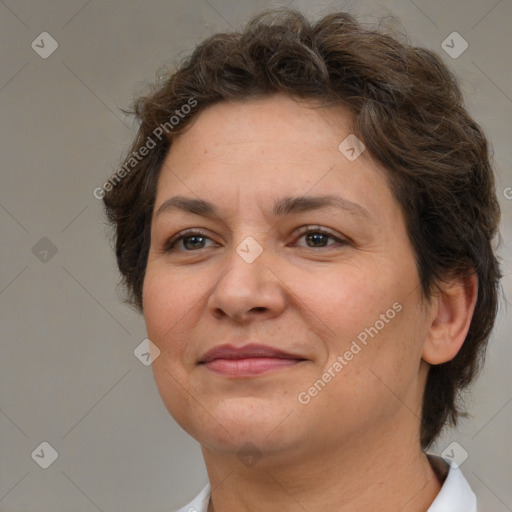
370 380
158 302
166 300
166 319
165 316
174 310
346 299
369 317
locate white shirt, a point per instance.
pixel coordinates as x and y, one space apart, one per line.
455 496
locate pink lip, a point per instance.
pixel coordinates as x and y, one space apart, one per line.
248 360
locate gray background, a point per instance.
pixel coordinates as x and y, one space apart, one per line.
68 375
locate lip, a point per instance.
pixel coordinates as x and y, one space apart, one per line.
249 360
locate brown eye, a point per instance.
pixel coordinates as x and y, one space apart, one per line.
193 242
319 238
188 241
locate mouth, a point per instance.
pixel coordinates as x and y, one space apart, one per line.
248 361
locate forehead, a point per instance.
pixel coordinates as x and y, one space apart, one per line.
272 122
266 148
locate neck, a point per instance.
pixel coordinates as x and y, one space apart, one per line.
394 474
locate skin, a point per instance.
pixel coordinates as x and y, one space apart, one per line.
355 445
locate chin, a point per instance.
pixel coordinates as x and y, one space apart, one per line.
237 422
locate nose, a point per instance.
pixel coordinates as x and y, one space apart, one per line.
247 291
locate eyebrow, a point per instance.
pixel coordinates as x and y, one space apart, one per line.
284 206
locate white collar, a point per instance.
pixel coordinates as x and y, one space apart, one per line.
199 503
455 496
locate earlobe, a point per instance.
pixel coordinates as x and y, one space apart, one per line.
452 311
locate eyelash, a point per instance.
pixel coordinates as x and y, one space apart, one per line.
189 233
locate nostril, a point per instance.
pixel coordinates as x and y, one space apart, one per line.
220 313
259 308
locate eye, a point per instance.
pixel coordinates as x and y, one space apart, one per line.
188 241
316 237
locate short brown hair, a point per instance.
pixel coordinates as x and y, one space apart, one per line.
409 112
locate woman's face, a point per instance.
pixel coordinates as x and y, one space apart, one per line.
342 303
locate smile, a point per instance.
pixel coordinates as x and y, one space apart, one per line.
249 366
247 361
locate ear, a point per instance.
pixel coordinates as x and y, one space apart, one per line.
452 311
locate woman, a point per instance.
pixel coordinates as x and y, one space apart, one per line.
306 220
